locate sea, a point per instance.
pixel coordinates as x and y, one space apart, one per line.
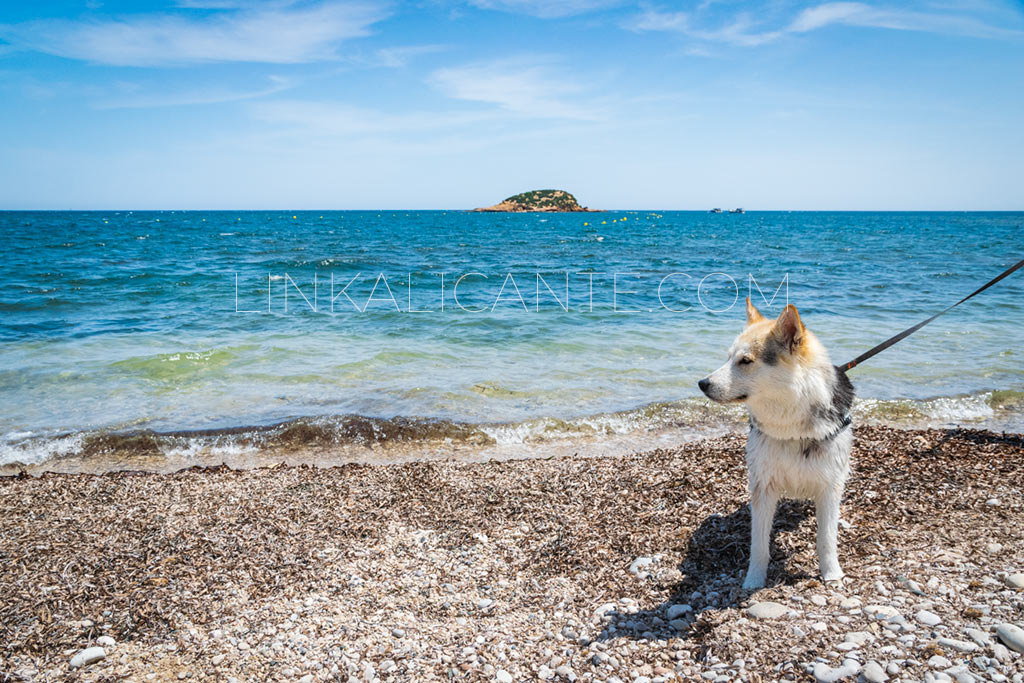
157 340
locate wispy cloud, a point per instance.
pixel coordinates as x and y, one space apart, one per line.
546 8
749 29
524 87
279 33
341 120
194 96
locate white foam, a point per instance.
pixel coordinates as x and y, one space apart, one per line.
34 451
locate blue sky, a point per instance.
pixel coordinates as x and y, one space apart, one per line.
445 104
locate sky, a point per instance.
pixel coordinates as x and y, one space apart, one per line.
362 104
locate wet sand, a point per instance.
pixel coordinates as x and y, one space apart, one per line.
565 568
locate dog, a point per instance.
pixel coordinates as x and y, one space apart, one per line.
800 435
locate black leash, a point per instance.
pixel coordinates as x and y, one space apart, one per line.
906 333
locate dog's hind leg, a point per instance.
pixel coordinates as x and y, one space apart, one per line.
827 511
762 512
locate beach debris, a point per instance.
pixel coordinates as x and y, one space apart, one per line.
289 572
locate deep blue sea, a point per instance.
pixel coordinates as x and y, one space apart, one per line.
207 334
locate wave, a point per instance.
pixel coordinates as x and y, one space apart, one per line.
335 439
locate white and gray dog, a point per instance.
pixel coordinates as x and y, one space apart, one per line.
800 437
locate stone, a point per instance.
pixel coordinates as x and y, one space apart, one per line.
825 674
958 645
819 600
767 610
485 603
89 655
636 567
1015 580
850 603
939 662
1012 636
980 637
873 673
503 676
928 618
676 611
881 611
217 659
1000 652
604 609
859 638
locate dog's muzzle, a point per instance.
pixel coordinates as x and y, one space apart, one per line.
704 385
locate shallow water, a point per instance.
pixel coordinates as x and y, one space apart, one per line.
121 322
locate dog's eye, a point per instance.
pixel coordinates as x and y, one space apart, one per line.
746 360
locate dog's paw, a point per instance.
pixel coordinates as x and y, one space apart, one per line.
753 583
833 577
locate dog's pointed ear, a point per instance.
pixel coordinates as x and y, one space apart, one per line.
788 328
753 315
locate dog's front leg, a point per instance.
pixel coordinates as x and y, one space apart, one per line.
827 511
762 512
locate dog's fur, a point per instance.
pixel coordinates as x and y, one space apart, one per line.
798 445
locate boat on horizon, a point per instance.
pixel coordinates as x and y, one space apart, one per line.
715 210
737 210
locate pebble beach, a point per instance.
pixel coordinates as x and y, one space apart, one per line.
619 569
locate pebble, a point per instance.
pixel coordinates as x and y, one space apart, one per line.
217 659
636 567
980 637
89 655
825 674
939 662
850 603
676 611
881 611
1012 636
859 638
819 600
958 645
873 673
1015 580
767 610
992 501
485 603
928 618
503 676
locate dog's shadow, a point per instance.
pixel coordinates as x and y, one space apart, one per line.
712 571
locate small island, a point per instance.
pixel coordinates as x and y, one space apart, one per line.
539 200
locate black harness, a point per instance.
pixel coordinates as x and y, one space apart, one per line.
814 443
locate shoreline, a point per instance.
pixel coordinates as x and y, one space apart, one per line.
328 440
563 568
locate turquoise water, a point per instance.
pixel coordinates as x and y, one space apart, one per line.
127 321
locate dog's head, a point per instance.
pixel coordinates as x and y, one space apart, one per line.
763 358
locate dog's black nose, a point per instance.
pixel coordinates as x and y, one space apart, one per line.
704 384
